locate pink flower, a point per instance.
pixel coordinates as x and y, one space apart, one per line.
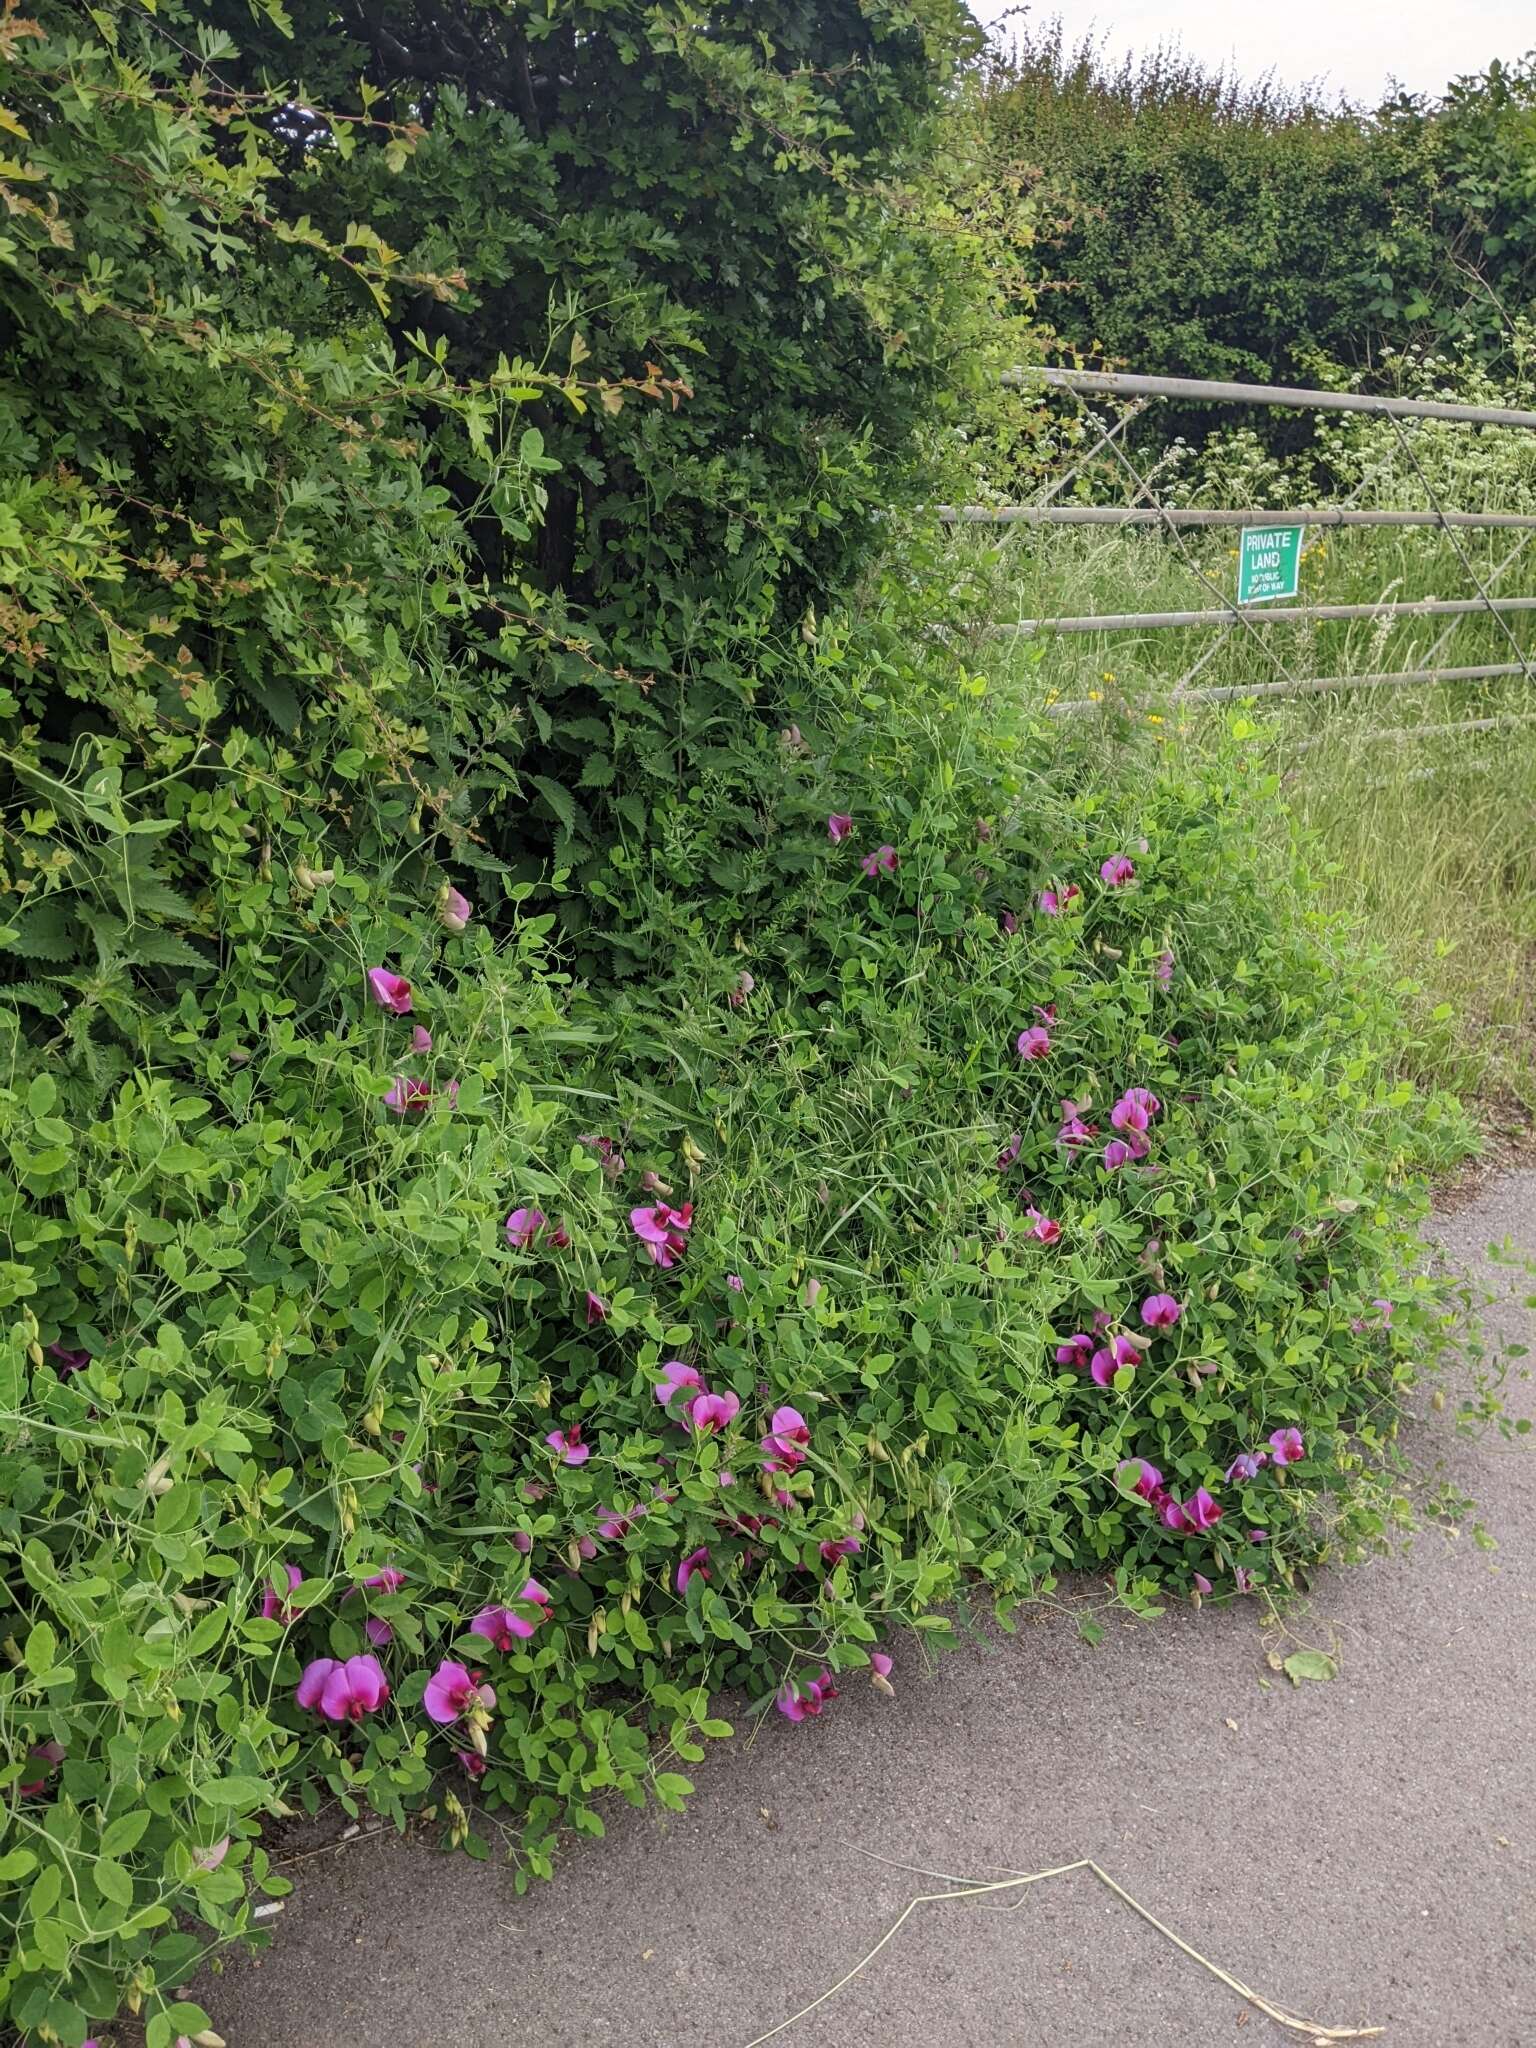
343 1690
558 1238
1116 872
1010 1152
697 1561
786 1442
1121 1151
1077 1351
1074 1131
1010 923
454 1693
1121 1351
569 1444
1101 1321
616 1524
1384 1306
522 1542
273 1606
1163 968
1142 1098
1034 1043
803 1699
1201 1510
1171 1514
709 1412
597 1309
523 1226
502 1628
473 1763
675 1374
1287 1447
1053 904
1129 1116
67 1361
1247 1465
745 984
1258 1535
50 1753
455 911
880 1673
1043 1227
391 992
1203 1584
1242 1578
663 1231
1148 1481
210 1858
882 857
421 1039
845 1546
409 1096
735 1283
839 825
1160 1311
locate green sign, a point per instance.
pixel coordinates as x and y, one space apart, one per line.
1269 563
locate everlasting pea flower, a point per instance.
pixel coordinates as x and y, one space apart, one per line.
597 1309
67 1361
558 1239
421 1039
1142 1098
1010 923
1034 1043
1047 1231
1172 1515
735 1283
1378 1303
1247 1465
1121 1351
1122 1151
1203 1583
697 1561
1163 968
880 1673
1077 1351
1010 1152
1242 1578
675 1374
786 1441
50 1753
569 1444
273 1606
709 1412
839 825
345 1690
455 910
663 1231
454 1693
523 1226
745 983
391 992
1129 1116
1116 872
1148 1481
1052 903
210 1858
1287 1447
1160 1311
614 1526
409 1096
882 857
1201 1510
845 1546
501 1627
804 1701
1074 1131
473 1763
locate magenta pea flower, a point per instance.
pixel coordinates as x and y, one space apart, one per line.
663 1231
1242 1578
1142 1098
343 1689
616 1524
569 1444
1053 903
1074 1131
883 857
1010 923
474 1764
735 1283
1077 1351
1010 1152
523 1226
1120 1351
1384 1306
695 1563
502 1628
1129 1116
455 911
880 1673
454 1693
845 1546
839 825
597 1309
273 1606
1247 1465
1160 1311
1116 872
410 1096
803 1699
1043 1227
67 1361
1162 969
1148 1481
1171 1514
1034 1043
1123 1151
391 992
558 1238
675 1374
1201 1510
1101 1321
51 1754
786 1442
1203 1584
1286 1446
709 1412
421 1039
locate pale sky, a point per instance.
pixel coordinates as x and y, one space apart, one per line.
1345 46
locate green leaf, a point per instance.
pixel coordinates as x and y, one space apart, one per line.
41 1649
1313 1664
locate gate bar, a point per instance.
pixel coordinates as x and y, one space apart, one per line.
1285 614
1225 693
1149 515
1118 383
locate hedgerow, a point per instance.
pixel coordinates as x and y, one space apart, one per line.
427 1366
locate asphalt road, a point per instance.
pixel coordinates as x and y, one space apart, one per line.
1361 1852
